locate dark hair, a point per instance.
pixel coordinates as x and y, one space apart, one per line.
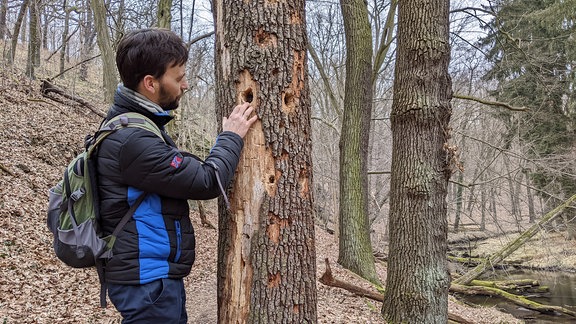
149 51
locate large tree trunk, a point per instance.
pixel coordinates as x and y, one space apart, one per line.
266 248
355 247
110 80
418 279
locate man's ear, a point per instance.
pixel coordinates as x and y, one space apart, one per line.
149 84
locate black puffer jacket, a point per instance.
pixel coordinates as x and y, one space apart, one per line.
158 242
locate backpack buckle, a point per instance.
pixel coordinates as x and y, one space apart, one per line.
124 121
77 194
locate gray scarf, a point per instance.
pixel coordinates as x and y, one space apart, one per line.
141 100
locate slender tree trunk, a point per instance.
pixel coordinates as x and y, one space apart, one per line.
110 80
266 249
483 207
17 26
164 20
3 13
418 279
459 200
88 35
45 24
530 197
355 247
164 14
34 40
119 18
65 31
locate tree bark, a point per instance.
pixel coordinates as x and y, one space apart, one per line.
65 31
34 39
418 279
88 34
110 80
17 26
514 245
328 279
355 246
3 13
266 249
164 14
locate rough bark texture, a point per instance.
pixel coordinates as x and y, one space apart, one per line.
418 280
110 80
355 247
3 12
164 14
266 270
16 32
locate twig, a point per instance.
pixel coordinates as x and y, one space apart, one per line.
40 100
489 102
73 66
5 169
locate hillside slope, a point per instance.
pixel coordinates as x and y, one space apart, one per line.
37 139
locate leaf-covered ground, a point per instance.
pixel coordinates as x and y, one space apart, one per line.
37 139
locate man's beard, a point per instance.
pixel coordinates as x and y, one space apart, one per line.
168 102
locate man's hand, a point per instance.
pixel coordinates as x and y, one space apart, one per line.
239 120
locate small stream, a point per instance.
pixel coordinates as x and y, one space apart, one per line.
562 287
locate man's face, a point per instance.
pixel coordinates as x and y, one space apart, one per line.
172 86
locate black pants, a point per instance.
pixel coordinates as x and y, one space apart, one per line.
160 301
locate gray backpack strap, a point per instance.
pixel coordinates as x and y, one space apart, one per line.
132 119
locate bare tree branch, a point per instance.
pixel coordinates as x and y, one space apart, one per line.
489 102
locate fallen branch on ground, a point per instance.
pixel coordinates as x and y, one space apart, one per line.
5 169
328 279
518 300
499 256
48 88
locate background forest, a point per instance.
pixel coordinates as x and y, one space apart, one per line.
513 76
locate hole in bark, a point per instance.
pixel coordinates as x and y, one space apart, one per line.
247 95
271 179
288 99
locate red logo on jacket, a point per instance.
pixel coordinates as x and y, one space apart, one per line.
176 161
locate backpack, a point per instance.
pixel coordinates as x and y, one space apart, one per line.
73 204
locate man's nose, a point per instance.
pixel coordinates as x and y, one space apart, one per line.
184 85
